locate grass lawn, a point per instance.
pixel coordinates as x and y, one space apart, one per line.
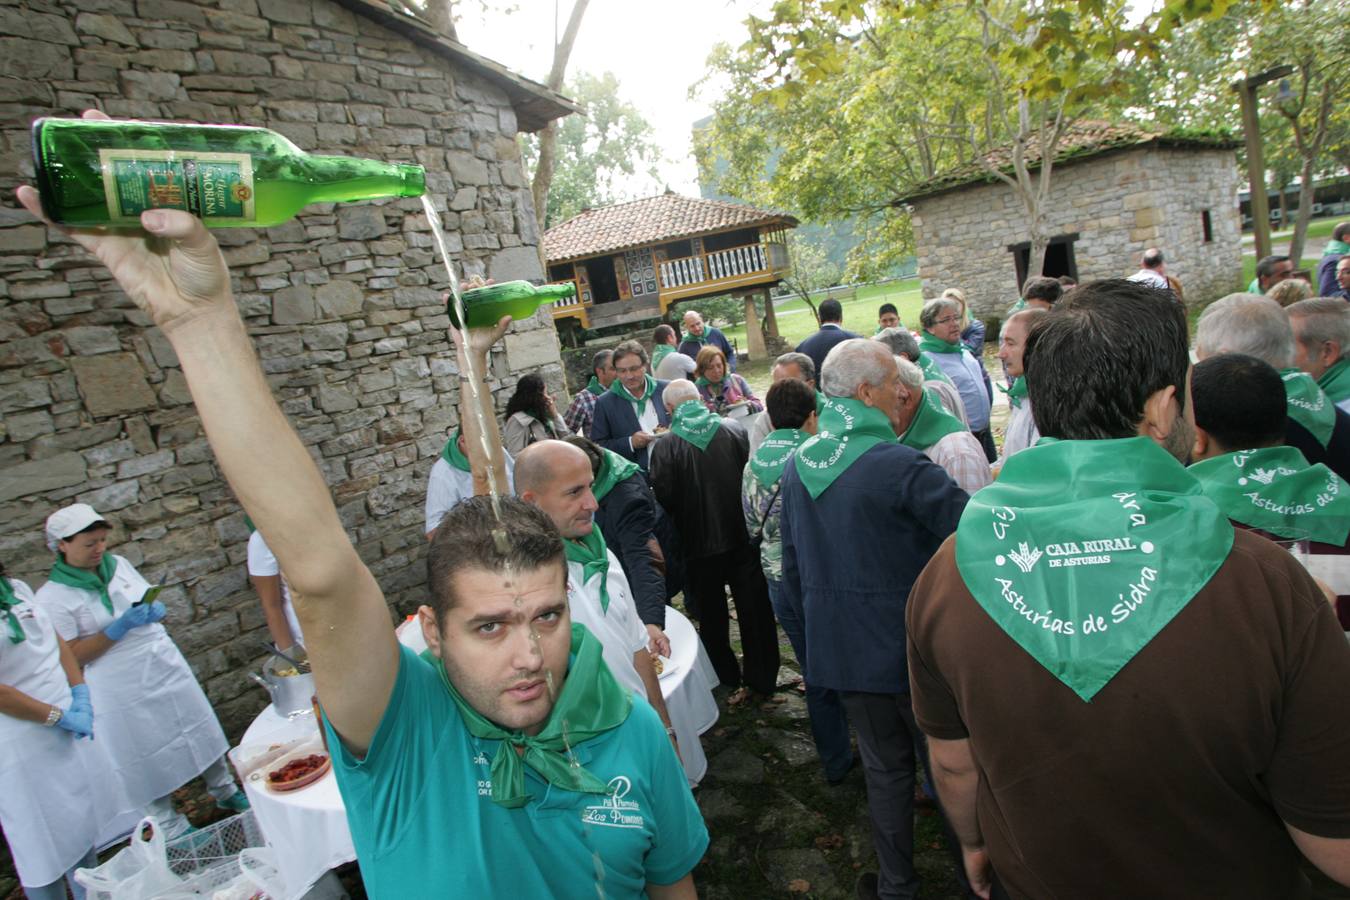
1318 230
795 321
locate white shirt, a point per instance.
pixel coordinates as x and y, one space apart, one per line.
262 563
619 630
1151 278
961 455
447 485
673 366
1021 433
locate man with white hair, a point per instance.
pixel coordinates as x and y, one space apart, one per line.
696 476
862 514
941 340
939 435
789 365
1322 344
1021 432
1257 326
698 334
935 381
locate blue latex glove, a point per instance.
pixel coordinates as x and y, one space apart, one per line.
78 718
157 611
132 618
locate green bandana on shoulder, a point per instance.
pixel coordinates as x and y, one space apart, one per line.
1274 489
771 456
1082 551
930 343
1335 381
1017 392
594 386
660 352
848 429
693 422
96 579
932 371
590 704
613 469
1308 405
591 552
931 423
8 600
451 453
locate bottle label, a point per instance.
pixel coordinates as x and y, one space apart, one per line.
211 186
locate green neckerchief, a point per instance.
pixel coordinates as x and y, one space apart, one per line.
549 428
931 424
933 344
1335 381
451 453
96 579
660 352
649 388
594 386
1255 287
1082 551
1335 248
1020 305
593 555
820 403
932 371
770 458
1308 405
590 704
7 603
248 523
693 422
1017 392
613 469
1274 489
848 429
696 338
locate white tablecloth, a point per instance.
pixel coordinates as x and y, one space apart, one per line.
687 687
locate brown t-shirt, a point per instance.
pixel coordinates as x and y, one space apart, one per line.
1174 779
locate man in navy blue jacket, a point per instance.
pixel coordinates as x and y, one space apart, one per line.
627 414
830 335
857 529
699 335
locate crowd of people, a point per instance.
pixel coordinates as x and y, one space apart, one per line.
1117 680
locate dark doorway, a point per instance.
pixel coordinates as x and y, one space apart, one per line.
604 286
1058 258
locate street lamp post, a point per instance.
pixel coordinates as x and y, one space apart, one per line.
1256 166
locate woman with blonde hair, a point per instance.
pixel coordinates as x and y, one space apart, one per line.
719 388
1290 291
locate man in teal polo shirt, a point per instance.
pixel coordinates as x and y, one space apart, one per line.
515 767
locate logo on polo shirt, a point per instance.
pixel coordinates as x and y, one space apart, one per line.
614 811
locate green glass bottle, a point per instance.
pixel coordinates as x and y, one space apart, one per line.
485 306
106 172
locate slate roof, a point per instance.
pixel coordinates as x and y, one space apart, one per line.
652 220
1082 140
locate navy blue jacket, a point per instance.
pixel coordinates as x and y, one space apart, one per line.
1335 455
615 421
627 520
712 336
1327 285
851 556
819 345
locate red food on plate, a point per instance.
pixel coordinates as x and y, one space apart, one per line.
298 772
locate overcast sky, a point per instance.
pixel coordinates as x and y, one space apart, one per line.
656 48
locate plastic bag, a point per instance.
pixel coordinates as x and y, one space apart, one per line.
141 869
259 865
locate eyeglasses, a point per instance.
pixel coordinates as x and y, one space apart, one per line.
947 320
629 370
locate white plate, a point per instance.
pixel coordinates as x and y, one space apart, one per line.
669 668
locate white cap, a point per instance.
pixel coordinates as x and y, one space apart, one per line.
70 521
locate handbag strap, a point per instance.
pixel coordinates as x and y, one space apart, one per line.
764 520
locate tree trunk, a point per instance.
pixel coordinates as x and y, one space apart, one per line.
548 138
1305 212
1036 258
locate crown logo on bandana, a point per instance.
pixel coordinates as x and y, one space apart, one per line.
1025 557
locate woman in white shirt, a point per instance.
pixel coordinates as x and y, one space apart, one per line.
48 778
155 723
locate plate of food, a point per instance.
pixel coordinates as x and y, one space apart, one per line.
295 771
664 666
660 430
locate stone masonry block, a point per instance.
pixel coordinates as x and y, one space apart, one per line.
532 349
112 384
294 305
58 470
339 299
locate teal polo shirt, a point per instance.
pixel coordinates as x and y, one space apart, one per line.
424 824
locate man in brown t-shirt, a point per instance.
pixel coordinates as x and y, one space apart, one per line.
1123 697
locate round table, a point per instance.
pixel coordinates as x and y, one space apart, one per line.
308 828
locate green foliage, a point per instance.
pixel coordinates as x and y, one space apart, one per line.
600 153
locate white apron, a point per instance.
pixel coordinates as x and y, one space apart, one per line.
150 714
47 777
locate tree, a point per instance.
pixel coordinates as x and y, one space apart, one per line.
548 136
595 151
812 270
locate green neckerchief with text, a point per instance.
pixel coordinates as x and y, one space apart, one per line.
1308 404
648 388
848 429
613 469
1017 392
773 453
451 454
1274 489
1335 381
1082 551
593 555
931 423
931 343
660 352
932 371
8 601
693 422
96 579
590 704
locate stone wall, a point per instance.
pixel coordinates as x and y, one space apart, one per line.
1119 204
344 303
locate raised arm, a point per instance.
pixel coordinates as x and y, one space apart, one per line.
176 274
482 443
